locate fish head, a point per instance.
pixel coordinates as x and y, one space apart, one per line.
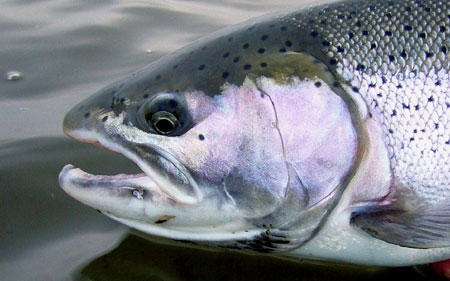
226 152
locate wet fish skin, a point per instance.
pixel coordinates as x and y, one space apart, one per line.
387 60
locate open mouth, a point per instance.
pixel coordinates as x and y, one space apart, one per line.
162 173
137 184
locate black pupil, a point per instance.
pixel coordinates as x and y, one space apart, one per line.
164 126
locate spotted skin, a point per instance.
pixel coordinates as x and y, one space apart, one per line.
394 53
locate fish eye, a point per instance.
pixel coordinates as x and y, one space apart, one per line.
165 114
164 122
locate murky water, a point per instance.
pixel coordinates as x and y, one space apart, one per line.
54 54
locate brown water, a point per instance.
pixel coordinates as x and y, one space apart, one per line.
66 50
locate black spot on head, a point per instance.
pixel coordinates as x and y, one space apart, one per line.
245 46
247 66
283 28
282 50
408 27
288 43
145 96
87 114
264 37
104 119
225 75
236 59
201 137
318 84
201 67
263 64
314 34
261 50
226 55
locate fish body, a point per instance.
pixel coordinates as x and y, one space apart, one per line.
318 133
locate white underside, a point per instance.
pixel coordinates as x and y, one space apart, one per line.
338 241
228 232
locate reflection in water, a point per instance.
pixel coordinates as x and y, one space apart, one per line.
139 259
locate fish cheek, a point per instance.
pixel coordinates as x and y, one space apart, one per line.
239 151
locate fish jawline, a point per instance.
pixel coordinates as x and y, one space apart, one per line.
96 139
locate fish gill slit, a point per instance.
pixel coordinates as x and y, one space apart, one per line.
286 163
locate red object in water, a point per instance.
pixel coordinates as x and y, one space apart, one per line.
442 268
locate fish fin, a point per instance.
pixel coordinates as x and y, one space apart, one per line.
423 227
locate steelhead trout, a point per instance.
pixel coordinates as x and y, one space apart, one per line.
317 133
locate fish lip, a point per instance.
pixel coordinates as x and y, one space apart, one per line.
98 140
71 176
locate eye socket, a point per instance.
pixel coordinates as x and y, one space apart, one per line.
164 122
164 114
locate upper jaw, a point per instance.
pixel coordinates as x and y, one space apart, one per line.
165 182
